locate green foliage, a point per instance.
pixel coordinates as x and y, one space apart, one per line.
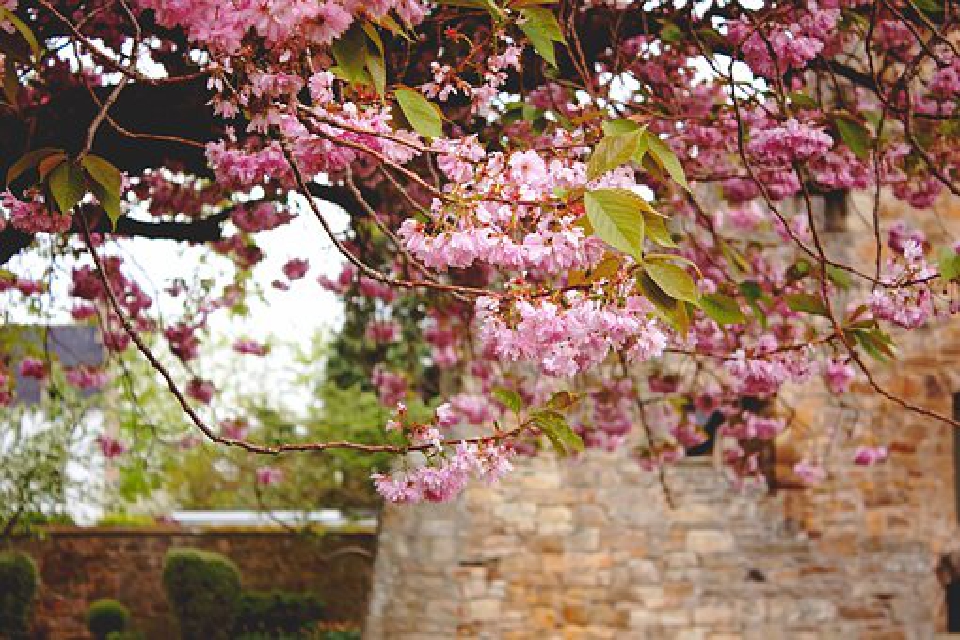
617 219
722 309
203 589
33 478
125 520
542 29
613 151
277 612
554 425
107 616
673 280
423 115
19 581
806 303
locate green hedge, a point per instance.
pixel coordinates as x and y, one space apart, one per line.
203 589
278 612
19 582
105 617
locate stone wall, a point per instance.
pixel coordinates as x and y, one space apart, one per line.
78 566
593 548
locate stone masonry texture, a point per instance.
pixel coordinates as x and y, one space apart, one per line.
597 548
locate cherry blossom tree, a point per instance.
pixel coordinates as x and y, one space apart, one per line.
570 219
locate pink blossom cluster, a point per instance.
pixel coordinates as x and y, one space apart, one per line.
772 49
383 331
86 378
764 373
793 141
754 427
260 217
281 24
391 387
446 477
33 216
565 340
250 347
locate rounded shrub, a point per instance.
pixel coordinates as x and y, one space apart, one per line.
277 612
19 581
105 617
203 589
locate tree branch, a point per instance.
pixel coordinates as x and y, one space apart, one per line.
208 229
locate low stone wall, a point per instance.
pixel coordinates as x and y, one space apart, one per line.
80 565
590 549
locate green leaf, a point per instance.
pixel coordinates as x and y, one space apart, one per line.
611 152
673 280
618 127
109 200
806 303
19 25
751 290
68 185
839 277
376 65
423 115
657 230
932 8
542 29
561 401
666 158
670 32
617 219
799 270
875 343
558 431
670 309
948 263
350 52
11 83
29 160
102 172
801 100
509 399
854 134
722 309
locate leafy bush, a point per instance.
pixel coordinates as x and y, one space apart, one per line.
342 635
203 589
18 586
105 617
277 612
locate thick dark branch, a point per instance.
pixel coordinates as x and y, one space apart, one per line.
208 229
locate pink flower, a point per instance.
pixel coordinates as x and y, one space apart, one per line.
838 375
383 331
111 447
268 476
296 268
446 417
809 473
33 368
86 378
527 167
868 456
235 429
250 347
200 390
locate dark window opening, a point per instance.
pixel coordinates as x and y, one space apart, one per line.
956 455
953 607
